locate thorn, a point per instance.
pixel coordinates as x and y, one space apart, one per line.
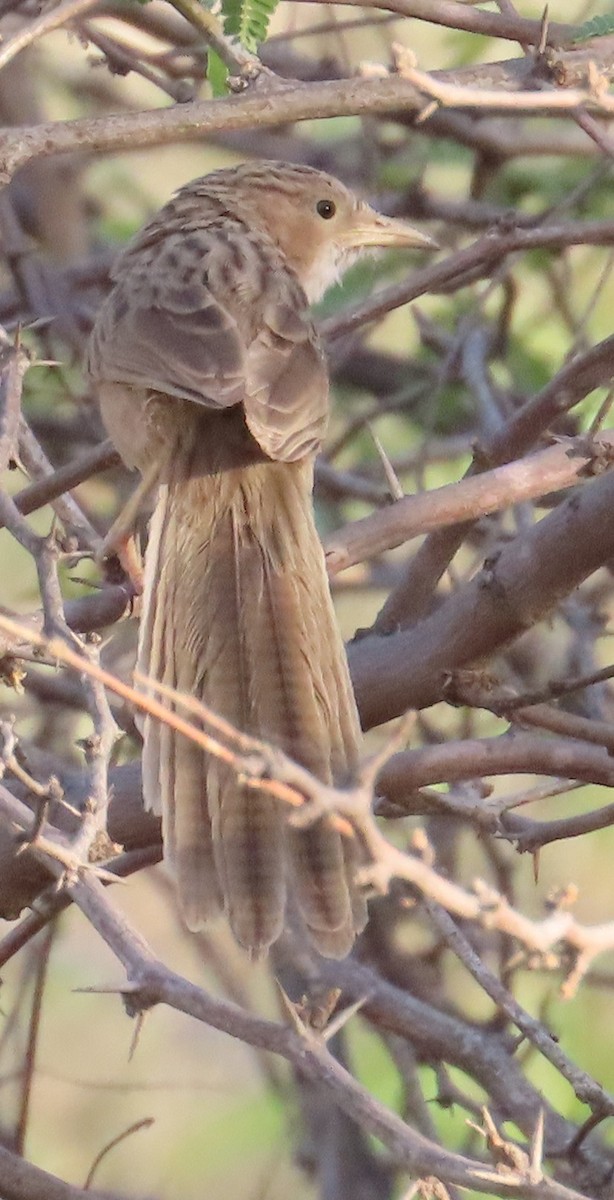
343 1017
536 861
138 1028
96 587
426 112
103 875
38 323
403 57
318 1006
509 1178
292 1009
108 989
396 491
543 33
536 1172
372 70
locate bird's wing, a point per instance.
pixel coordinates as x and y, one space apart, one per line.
286 392
205 316
163 329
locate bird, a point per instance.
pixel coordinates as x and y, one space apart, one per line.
212 381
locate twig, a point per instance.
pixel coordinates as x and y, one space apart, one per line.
264 107
123 59
235 57
52 19
534 1030
64 479
465 266
38 466
150 982
270 770
510 595
454 15
452 95
42 952
559 467
22 1180
136 1127
14 362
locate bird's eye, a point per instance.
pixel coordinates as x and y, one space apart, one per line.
326 209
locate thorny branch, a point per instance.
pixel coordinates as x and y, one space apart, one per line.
268 769
476 591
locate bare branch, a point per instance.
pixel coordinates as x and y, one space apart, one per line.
149 982
559 467
409 669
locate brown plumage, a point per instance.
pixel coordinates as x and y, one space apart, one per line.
207 366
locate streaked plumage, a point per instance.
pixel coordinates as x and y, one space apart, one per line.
206 361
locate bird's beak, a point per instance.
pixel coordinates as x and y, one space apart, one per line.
371 228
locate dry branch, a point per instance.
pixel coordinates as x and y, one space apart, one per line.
529 576
528 479
530 571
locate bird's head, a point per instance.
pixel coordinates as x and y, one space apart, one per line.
318 223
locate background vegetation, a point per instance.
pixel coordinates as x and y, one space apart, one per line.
481 1055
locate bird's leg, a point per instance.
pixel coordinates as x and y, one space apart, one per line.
119 541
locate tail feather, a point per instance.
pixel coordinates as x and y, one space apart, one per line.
251 847
248 826
288 710
237 613
151 653
333 943
174 769
338 707
197 880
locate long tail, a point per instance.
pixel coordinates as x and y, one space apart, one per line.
237 613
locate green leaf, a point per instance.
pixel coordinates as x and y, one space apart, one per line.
217 73
597 27
248 20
